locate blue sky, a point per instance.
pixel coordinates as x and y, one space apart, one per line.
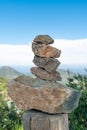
64 20
22 20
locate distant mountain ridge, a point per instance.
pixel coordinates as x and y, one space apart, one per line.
9 72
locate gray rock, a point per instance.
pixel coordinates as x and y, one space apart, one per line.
43 39
43 74
49 64
46 96
37 120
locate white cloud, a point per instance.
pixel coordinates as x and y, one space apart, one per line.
16 55
73 52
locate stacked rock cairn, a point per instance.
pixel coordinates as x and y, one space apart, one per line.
51 100
45 58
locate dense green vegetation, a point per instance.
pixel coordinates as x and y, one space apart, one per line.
11 117
78 118
3 84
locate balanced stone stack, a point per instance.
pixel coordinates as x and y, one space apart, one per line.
45 58
54 99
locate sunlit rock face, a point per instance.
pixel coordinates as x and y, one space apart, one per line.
47 51
47 96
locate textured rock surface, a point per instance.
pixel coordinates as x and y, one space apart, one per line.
49 64
44 39
43 74
47 51
47 96
36 120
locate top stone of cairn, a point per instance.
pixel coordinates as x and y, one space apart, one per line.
43 39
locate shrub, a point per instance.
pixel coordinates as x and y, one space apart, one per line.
78 118
10 117
3 84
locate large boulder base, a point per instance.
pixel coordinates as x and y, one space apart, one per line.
47 51
47 96
43 39
49 64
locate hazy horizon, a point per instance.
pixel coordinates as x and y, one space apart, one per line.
73 68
